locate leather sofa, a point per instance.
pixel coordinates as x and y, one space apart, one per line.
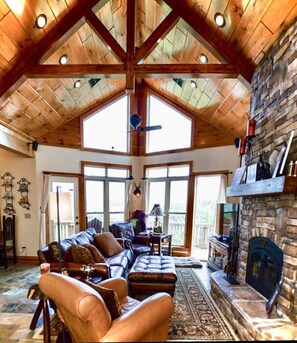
112 266
87 313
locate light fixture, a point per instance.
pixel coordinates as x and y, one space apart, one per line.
193 84
41 21
220 19
63 59
77 84
203 58
137 191
157 212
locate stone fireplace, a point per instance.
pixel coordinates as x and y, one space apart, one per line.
268 240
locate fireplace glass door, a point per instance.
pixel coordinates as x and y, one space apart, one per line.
265 262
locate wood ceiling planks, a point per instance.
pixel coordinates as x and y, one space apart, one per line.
99 40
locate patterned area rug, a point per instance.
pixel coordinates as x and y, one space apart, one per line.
196 316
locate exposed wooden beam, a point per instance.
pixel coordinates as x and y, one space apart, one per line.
130 79
105 36
10 141
76 70
197 26
52 41
186 70
153 40
142 70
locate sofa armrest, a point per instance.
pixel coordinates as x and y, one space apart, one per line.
153 311
125 243
73 269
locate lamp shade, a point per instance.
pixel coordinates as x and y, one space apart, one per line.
156 210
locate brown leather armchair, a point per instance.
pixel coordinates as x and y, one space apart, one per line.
87 318
140 242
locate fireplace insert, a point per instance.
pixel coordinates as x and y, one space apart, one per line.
264 266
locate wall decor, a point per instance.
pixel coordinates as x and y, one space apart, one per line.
23 189
8 196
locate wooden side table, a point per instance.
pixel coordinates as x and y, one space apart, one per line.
159 239
34 293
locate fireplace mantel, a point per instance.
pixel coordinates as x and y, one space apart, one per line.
277 185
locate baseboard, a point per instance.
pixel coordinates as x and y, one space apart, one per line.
28 259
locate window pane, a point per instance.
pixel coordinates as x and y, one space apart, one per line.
179 171
94 171
176 129
116 217
94 196
107 129
117 172
156 172
176 226
116 197
178 196
156 196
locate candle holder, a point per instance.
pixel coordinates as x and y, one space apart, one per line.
87 271
249 149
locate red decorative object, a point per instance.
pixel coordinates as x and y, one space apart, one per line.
242 146
250 128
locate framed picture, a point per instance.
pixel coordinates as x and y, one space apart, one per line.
283 163
238 177
279 161
252 173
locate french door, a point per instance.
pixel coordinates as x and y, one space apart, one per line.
63 205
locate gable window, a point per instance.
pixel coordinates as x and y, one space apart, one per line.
107 128
168 186
176 132
106 193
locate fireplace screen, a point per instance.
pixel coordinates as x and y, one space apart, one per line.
265 263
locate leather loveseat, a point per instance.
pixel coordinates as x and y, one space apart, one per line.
113 260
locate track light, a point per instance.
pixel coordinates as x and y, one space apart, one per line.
193 84
203 58
41 21
220 19
63 59
77 84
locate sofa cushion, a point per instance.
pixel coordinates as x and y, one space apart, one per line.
81 254
107 244
97 256
54 249
110 298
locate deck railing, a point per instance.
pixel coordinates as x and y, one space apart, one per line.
201 234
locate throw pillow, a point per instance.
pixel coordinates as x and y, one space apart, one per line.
54 249
110 298
81 254
98 257
107 244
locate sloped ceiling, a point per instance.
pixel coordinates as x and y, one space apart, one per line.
126 43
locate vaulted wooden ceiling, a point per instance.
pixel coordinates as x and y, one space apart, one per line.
127 43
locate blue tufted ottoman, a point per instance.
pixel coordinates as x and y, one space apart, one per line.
152 274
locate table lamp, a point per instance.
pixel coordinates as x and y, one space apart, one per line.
157 211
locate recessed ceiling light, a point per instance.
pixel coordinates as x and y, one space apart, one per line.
41 21
203 58
63 59
193 84
219 19
77 84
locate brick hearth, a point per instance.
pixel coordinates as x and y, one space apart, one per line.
245 309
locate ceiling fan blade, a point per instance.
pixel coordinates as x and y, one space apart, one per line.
150 128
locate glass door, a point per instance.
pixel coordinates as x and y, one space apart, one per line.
63 204
205 213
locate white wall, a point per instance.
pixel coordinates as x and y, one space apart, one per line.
68 160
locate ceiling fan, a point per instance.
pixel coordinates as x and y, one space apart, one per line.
135 122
